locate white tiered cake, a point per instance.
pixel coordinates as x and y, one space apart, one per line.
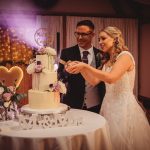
46 89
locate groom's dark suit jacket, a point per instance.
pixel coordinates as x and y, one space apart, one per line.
75 82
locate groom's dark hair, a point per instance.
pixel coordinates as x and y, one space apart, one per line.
88 23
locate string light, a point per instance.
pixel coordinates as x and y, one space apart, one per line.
12 48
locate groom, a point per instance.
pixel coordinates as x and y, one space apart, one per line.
80 94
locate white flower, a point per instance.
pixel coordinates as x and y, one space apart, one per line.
1 90
31 68
7 104
62 87
50 51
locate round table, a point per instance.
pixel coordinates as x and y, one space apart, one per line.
92 134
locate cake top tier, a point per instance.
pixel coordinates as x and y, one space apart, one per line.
45 59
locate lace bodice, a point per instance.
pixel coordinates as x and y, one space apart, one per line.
124 85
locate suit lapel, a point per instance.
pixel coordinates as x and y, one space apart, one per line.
77 55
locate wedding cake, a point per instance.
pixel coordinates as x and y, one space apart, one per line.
46 89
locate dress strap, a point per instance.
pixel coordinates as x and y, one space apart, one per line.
128 53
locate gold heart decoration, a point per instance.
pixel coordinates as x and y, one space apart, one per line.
12 76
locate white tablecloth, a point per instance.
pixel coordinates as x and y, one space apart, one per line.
93 134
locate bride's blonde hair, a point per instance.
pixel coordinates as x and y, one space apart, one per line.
119 44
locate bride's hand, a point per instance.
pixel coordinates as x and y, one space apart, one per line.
75 67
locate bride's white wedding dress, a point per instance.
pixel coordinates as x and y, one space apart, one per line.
129 127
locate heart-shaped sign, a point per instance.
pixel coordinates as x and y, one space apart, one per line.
12 76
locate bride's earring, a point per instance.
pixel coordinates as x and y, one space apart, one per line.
116 42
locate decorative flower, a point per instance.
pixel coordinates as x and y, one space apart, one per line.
102 58
1 90
58 87
34 68
6 104
50 51
31 68
7 96
62 87
12 89
98 58
8 101
41 51
38 68
47 50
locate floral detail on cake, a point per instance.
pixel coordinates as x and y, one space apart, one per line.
58 87
38 67
46 50
35 67
9 99
31 68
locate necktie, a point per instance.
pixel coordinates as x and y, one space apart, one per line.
85 58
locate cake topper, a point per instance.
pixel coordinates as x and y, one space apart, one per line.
43 37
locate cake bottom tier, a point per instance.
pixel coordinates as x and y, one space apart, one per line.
43 100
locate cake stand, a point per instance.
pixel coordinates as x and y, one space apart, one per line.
60 109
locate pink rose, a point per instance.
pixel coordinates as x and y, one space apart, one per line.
7 96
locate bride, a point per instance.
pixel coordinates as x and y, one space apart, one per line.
129 127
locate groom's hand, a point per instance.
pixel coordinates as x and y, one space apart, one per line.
70 65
